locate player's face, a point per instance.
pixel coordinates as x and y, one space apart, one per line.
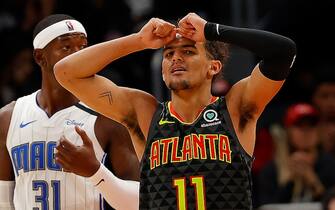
324 99
185 64
63 46
303 136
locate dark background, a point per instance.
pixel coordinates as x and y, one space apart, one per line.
308 23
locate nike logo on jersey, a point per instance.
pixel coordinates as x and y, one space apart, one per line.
22 125
162 122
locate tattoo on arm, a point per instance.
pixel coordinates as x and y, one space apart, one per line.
107 94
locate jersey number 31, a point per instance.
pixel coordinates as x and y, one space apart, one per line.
43 187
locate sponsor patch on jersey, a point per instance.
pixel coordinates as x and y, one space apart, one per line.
73 122
211 116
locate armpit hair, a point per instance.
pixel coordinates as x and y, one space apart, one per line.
133 126
247 113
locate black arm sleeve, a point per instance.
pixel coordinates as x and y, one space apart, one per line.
277 52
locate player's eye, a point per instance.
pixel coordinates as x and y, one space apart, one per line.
188 52
169 54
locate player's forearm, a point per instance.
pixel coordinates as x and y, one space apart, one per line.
277 51
91 60
120 194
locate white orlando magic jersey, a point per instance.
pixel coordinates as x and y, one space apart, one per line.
41 184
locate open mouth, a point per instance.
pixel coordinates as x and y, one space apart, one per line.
177 69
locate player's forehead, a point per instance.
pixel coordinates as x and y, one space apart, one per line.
70 36
180 43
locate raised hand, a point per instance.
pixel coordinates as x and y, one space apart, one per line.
80 160
192 27
157 33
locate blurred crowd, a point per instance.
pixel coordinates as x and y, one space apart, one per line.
295 147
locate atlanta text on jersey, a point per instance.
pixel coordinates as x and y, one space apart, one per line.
193 146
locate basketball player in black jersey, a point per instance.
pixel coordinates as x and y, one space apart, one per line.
52 42
198 149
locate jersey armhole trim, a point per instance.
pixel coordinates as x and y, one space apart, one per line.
86 109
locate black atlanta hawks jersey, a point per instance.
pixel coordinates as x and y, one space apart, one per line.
199 165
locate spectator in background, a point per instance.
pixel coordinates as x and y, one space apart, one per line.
301 171
324 99
324 96
263 154
328 202
16 78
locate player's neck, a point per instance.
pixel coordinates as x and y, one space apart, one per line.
53 98
52 101
188 105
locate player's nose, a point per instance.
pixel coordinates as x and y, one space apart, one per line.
177 56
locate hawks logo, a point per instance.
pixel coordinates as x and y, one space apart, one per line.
69 25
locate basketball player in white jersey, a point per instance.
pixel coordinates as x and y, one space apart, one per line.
30 127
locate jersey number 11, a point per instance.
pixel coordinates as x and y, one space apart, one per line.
199 187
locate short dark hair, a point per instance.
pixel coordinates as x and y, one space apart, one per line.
217 51
48 21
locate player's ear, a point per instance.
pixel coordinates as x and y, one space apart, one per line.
39 57
215 67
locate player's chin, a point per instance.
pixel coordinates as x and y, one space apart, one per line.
176 85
